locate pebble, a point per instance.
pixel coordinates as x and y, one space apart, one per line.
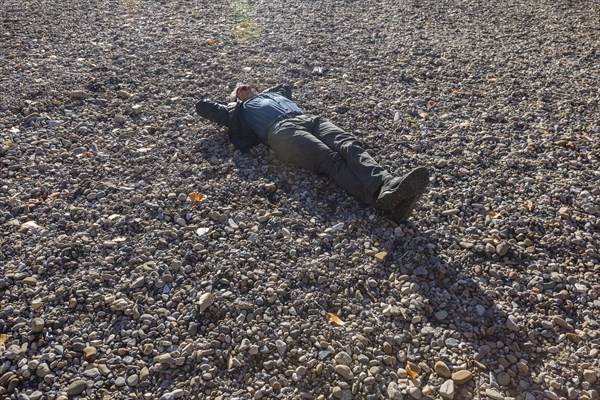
144 374
590 376
447 389
30 281
42 370
503 379
76 387
92 373
442 369
132 380
502 249
36 395
79 94
90 353
381 256
462 376
205 301
511 324
344 371
494 394
37 325
281 347
343 358
449 212
136 199
415 392
393 391
441 315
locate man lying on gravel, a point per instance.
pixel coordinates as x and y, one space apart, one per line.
313 143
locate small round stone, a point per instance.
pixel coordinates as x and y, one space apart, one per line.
503 379
462 376
442 369
344 371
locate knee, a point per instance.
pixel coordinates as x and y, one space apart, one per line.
329 162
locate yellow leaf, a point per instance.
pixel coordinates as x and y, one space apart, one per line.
410 372
196 197
529 205
193 12
334 319
3 338
494 214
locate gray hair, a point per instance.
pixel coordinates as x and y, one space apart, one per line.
233 95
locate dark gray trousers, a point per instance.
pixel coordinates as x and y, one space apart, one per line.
315 144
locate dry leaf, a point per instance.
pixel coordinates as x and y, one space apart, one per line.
3 338
211 42
334 319
410 372
494 214
195 197
529 205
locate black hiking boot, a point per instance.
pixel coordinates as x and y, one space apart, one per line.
398 191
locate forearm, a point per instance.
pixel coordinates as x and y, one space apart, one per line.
213 111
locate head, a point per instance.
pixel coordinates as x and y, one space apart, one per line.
245 92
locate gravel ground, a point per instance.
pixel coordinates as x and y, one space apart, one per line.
143 258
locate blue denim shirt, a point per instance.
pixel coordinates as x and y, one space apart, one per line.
261 110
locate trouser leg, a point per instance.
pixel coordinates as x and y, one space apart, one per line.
371 175
294 142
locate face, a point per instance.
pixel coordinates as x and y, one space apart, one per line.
245 92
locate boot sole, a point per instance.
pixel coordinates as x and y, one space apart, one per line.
412 185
